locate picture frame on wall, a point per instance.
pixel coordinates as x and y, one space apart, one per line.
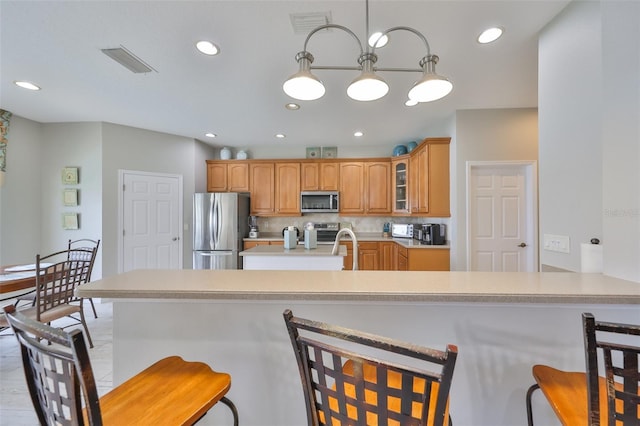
70 175
70 221
313 152
70 197
329 151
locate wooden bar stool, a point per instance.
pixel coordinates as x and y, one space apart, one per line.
59 376
588 398
377 381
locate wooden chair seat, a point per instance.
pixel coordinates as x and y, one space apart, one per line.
170 392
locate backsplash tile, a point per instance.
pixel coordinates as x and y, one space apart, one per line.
358 223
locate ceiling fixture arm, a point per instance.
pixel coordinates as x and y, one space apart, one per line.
339 27
403 28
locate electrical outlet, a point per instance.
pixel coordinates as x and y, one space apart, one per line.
559 243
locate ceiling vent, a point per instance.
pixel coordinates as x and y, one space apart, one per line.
127 59
303 23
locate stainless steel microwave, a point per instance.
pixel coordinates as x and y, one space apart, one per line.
319 202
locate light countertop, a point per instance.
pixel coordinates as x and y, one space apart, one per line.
321 250
362 237
366 286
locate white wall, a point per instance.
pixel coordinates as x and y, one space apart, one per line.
588 136
71 145
20 196
129 148
486 135
621 139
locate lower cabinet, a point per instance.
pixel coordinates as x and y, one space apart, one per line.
368 259
251 244
388 255
428 260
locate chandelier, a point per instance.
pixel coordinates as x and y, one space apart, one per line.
368 86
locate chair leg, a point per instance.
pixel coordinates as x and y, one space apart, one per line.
529 410
86 329
95 314
226 401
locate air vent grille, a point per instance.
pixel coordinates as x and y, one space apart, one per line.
127 59
303 23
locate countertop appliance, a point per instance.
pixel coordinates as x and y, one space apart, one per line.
319 202
220 222
402 230
434 234
253 227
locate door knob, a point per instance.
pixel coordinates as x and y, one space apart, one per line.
522 245
176 238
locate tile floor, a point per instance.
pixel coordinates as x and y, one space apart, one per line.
16 408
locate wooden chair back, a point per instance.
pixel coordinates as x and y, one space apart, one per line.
354 378
56 279
619 357
58 371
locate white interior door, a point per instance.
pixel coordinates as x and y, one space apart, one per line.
151 223
501 212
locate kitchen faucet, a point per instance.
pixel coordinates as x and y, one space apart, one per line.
336 245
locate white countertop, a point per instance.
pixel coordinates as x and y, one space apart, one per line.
401 286
362 237
321 250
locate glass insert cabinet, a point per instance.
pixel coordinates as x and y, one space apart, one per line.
400 187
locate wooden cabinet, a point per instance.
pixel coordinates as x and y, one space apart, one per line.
428 260
227 176
400 185
364 187
319 176
377 187
262 183
251 244
352 188
402 259
287 189
429 178
368 259
387 256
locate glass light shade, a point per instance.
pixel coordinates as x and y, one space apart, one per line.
304 86
367 87
431 88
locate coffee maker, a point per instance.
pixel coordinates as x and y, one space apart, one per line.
253 227
434 234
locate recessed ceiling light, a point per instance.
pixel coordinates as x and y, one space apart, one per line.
207 48
26 85
292 107
358 134
210 135
411 103
489 35
280 136
381 40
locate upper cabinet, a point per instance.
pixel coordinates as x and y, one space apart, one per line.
262 182
365 187
227 177
399 185
319 176
287 195
415 184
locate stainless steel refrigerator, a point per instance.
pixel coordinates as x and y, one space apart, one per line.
220 222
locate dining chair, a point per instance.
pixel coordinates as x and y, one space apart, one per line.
60 380
83 249
350 377
86 244
57 277
608 392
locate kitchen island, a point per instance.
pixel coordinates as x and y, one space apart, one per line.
502 323
298 259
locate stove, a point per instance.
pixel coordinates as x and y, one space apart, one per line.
327 231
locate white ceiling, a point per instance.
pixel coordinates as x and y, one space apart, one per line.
238 93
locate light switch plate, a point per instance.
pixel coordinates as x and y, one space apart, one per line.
559 243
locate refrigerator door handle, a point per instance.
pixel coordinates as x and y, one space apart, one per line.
212 220
218 229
